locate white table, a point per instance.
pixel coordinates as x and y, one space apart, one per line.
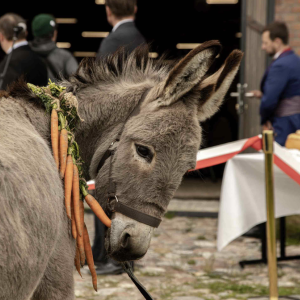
242 201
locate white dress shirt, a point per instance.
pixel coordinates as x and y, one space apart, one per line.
17 45
277 54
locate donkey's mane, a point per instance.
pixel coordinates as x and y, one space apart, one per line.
134 68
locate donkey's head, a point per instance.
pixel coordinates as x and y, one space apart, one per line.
159 144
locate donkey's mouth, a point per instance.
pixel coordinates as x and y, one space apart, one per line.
127 239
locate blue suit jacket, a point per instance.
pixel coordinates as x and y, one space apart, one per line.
281 80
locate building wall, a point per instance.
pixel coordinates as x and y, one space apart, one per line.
289 12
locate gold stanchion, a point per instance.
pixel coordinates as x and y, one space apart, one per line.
271 227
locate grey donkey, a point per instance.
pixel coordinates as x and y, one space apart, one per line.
156 148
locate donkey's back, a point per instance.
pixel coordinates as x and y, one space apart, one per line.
36 251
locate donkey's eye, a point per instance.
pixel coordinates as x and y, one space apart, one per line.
144 152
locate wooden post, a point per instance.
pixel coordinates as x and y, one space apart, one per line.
271 227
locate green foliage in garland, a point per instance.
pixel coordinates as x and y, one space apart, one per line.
52 97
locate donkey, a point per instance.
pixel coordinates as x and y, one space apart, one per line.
157 146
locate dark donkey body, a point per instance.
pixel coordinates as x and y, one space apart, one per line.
156 148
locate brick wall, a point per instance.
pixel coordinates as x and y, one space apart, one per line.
289 12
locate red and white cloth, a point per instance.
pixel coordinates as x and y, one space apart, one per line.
242 201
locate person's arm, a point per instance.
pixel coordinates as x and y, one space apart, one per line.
274 86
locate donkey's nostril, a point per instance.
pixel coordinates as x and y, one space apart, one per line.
129 240
125 240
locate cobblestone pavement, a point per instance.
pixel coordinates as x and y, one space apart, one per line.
183 264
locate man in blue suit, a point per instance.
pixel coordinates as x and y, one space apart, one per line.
280 85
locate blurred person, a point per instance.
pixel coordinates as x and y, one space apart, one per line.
58 61
280 85
120 15
24 62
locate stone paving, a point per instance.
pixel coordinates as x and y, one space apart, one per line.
183 264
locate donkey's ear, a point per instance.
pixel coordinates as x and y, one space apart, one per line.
188 72
213 88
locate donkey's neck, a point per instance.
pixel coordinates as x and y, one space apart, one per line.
104 112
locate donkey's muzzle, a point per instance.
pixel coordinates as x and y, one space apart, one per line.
128 239
129 248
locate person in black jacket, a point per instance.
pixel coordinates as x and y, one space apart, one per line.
120 15
59 62
24 62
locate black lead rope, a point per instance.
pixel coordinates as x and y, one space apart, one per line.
127 268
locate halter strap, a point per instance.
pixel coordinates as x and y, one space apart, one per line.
114 204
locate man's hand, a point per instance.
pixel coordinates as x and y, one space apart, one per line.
257 93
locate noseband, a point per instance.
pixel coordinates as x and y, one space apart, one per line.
113 202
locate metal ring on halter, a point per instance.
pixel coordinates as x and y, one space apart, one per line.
112 204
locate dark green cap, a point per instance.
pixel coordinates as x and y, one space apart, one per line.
43 25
